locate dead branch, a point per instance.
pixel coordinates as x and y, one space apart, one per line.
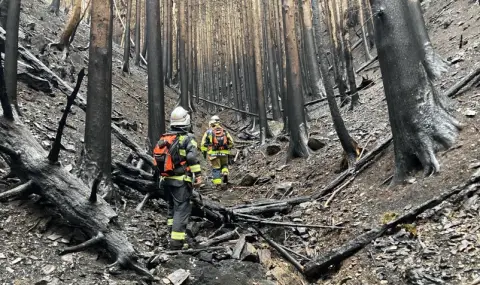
272 223
53 155
452 91
221 238
366 64
315 268
85 245
22 189
280 250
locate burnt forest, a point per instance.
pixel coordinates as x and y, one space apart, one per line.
309 141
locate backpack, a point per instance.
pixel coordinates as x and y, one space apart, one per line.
219 139
167 156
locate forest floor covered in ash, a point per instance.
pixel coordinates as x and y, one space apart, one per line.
440 247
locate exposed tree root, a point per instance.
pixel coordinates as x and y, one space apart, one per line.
85 245
20 190
317 267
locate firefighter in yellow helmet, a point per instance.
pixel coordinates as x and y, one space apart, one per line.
216 145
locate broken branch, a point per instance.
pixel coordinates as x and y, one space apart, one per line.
53 155
452 91
17 191
226 236
84 245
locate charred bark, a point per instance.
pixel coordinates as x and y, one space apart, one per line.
96 156
260 88
7 108
420 122
183 62
296 112
361 14
138 18
126 48
347 55
11 50
70 27
433 62
156 104
315 79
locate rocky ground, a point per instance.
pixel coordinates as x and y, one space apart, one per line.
441 247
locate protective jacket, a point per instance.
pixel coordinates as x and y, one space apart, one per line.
208 144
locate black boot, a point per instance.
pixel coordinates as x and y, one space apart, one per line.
176 244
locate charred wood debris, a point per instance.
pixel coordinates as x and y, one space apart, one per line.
234 230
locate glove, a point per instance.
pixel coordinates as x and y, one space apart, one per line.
204 154
156 174
198 181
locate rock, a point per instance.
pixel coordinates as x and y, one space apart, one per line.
273 149
469 113
68 168
70 148
54 237
284 188
179 277
68 258
265 257
2 256
17 260
249 179
316 143
249 253
301 230
474 165
206 256
47 269
166 281
46 143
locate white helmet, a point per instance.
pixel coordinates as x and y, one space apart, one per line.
215 119
179 117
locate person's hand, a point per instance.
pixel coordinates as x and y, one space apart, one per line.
198 181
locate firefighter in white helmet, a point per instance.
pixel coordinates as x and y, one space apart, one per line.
177 163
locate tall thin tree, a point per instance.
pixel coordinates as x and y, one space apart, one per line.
138 20
156 103
96 156
126 48
183 61
296 114
11 50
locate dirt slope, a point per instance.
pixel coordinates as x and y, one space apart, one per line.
447 242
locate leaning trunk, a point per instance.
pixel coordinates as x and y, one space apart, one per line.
156 104
421 125
296 116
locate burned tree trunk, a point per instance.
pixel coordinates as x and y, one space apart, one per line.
314 79
296 114
361 14
156 111
96 156
262 112
434 63
348 144
7 108
183 62
420 122
53 8
138 18
126 51
11 50
347 54
276 113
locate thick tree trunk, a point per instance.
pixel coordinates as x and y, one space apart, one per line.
296 116
126 48
311 61
277 115
138 20
434 63
96 156
262 112
421 125
53 8
156 104
11 50
68 193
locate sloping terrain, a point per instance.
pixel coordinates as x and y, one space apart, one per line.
443 248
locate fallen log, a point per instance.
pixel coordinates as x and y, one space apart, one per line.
216 240
366 64
316 268
75 202
452 91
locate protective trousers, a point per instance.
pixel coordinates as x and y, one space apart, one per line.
219 168
178 194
